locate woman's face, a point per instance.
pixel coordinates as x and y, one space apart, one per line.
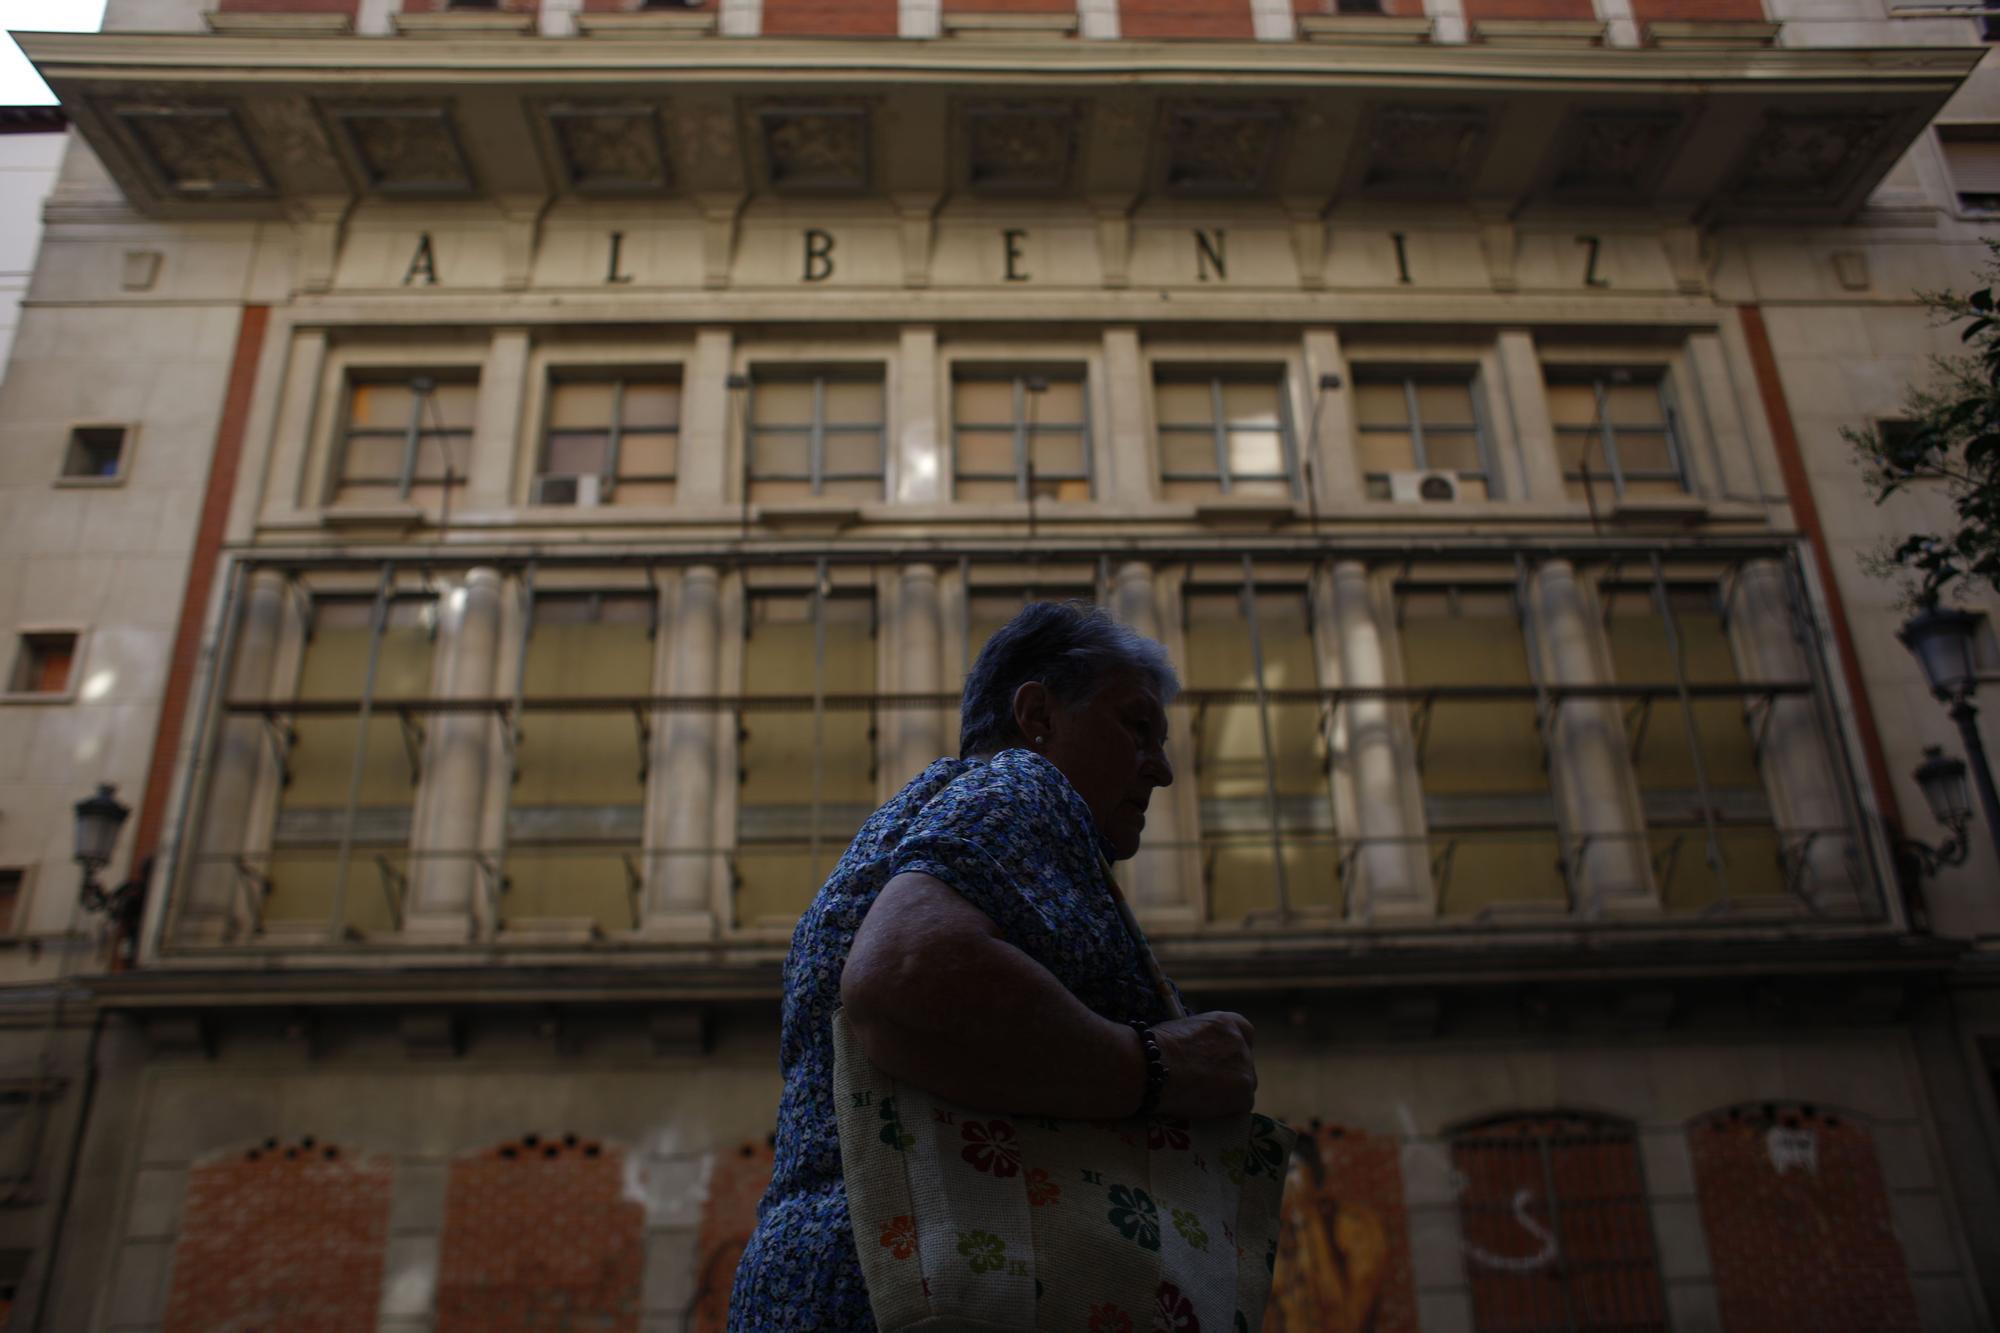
1112 749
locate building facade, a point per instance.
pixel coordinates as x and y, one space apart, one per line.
503 491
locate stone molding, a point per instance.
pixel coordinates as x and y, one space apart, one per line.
647 23
1540 32
1009 26
460 23
1674 34
1365 29
279 25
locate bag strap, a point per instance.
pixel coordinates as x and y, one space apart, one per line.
1169 998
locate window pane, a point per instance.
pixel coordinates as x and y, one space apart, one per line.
986 491
1251 405
651 405
1187 453
988 453
984 402
1456 451
573 405
1644 451
379 405
452 406
1381 404
1634 404
1379 452
1059 453
850 453
1183 403
1062 401
779 456
1256 453
854 402
783 403
1445 404
1572 404
642 455
374 457
576 455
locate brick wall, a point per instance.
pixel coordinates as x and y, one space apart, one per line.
539 1233
626 6
1229 19
281 1236
1009 6
1475 10
347 7
727 1219
1798 1225
1392 8
1647 11
830 18
1343 1239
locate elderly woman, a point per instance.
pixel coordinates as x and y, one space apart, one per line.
972 933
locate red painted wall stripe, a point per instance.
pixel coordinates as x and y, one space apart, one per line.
1799 487
222 470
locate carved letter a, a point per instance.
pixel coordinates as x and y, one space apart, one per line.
423 262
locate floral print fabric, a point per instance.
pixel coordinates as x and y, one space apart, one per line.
1014 838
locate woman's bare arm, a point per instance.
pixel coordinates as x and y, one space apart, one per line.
939 999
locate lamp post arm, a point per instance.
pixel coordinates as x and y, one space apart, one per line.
1967 717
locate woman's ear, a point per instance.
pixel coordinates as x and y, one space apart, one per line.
1034 712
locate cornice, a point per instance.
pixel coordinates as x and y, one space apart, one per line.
261 60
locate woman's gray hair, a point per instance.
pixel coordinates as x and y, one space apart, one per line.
1073 648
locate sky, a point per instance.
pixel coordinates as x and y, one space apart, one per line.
19 84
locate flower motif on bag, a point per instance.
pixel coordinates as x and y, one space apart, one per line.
1041 1190
986 1251
1263 1156
893 1132
1175 1313
899 1236
1108 1318
1136 1217
992 1147
1167 1133
1190 1228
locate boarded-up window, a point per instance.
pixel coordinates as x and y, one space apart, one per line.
612 440
1261 773
1616 434
1696 763
322 749
1018 434
574 823
406 439
808 773
1492 824
816 433
1972 156
43 662
1223 433
1555 1224
1420 421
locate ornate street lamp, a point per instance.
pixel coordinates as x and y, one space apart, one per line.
1940 638
98 821
1942 778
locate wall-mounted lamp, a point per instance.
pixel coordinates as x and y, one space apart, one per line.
99 819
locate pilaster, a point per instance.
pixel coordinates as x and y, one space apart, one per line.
1128 454
1528 404
497 437
1390 878
918 636
705 412
919 453
681 797
1156 878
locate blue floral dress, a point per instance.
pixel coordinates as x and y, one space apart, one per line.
1016 840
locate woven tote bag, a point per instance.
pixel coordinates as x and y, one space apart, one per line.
967 1220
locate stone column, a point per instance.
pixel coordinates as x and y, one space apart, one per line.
919 638
707 407
1527 402
1590 772
1391 877
680 881
920 454
448 884
1336 480
498 435
1795 759
214 909
1155 877
1128 452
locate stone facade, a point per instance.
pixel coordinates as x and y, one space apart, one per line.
552 509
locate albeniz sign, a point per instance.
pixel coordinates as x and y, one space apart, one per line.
1057 253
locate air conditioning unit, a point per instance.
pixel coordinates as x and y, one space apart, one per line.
1415 487
562 488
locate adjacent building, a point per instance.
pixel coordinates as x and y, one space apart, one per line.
503 491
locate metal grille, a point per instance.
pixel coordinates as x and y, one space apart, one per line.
1557 1236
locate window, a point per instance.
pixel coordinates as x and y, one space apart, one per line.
1020 435
43 662
95 453
406 439
1556 1225
807 763
610 441
1493 838
816 433
1972 159
1420 421
13 883
1260 762
1616 435
1223 433
574 822
329 758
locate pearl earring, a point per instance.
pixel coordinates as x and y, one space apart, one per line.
1038 740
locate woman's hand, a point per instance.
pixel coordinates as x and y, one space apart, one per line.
1209 1068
